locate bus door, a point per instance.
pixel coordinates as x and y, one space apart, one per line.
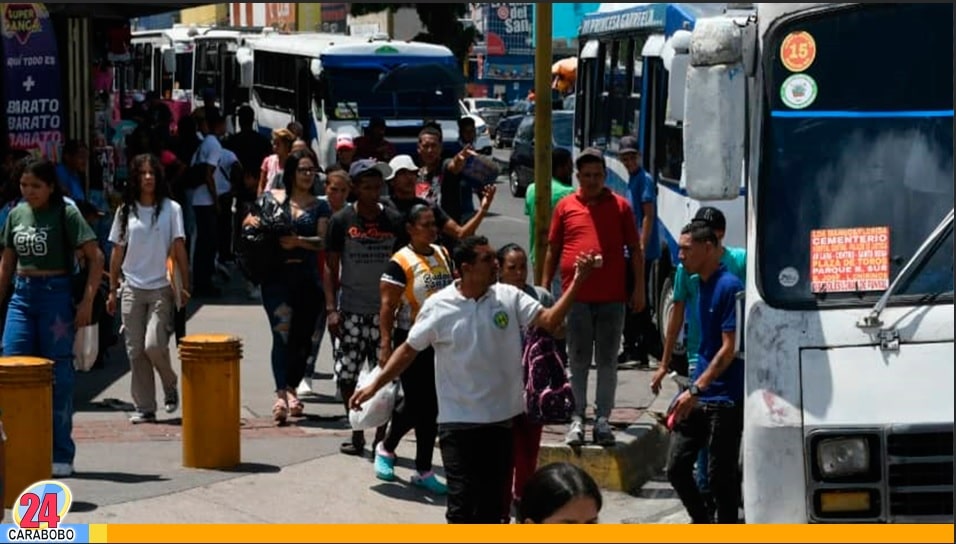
303 97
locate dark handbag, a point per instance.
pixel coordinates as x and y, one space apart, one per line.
80 277
258 246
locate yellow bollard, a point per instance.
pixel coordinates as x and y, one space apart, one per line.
210 400
26 400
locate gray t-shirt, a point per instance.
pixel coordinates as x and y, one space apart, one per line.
365 247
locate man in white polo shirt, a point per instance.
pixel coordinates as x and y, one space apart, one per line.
475 325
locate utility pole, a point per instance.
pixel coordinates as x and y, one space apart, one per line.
542 136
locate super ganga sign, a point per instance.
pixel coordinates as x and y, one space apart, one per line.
31 79
643 17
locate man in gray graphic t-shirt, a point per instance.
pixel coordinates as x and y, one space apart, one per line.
361 241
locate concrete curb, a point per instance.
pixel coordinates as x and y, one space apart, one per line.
639 455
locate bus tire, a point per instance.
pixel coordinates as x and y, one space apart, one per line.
679 361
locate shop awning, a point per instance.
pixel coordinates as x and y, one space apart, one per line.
117 11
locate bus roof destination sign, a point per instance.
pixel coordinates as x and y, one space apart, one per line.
641 17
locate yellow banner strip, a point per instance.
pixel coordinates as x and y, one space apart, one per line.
928 534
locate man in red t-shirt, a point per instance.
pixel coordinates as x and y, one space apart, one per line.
595 220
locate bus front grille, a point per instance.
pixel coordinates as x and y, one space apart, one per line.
920 474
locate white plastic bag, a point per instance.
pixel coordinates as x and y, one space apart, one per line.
86 346
377 410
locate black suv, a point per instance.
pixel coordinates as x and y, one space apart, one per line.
521 164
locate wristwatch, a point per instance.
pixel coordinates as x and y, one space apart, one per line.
694 390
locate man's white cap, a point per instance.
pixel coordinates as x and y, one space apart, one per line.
401 162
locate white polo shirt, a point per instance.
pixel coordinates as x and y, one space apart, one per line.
478 372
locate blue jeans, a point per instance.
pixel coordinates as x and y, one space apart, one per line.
594 332
293 301
40 324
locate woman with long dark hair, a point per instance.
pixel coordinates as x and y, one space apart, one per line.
147 230
292 292
41 237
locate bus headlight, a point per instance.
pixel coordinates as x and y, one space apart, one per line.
842 457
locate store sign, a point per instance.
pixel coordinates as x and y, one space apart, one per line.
281 15
31 80
516 18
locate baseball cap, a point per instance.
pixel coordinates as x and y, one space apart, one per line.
365 167
590 154
376 122
209 93
627 144
401 162
344 141
712 217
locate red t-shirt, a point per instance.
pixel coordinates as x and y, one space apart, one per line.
605 227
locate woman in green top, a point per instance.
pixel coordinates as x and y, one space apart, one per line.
42 318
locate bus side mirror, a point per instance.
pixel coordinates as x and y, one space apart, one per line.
169 61
715 107
676 57
244 60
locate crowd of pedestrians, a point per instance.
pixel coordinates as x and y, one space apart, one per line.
382 251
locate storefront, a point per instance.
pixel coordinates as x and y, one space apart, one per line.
60 82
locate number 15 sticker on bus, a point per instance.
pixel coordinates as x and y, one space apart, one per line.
798 51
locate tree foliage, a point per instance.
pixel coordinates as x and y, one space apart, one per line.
441 22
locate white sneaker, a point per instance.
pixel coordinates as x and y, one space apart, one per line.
575 436
62 470
254 292
305 388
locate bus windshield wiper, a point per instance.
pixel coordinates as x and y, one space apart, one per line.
926 250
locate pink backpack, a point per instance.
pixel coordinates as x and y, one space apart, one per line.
547 391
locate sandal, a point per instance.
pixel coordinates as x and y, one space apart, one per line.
280 411
296 408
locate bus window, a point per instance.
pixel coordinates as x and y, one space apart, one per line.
274 79
620 91
147 68
184 71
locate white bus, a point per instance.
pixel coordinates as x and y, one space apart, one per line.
629 83
326 82
223 63
846 142
162 62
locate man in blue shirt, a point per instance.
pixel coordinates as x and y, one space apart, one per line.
710 412
641 338
76 157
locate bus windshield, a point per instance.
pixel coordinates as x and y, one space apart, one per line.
350 94
857 159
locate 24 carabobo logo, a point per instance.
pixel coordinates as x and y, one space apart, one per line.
43 505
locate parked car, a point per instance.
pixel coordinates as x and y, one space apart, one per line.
489 109
519 107
507 127
517 111
521 164
483 143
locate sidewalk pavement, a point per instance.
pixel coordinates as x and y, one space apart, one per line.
294 474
